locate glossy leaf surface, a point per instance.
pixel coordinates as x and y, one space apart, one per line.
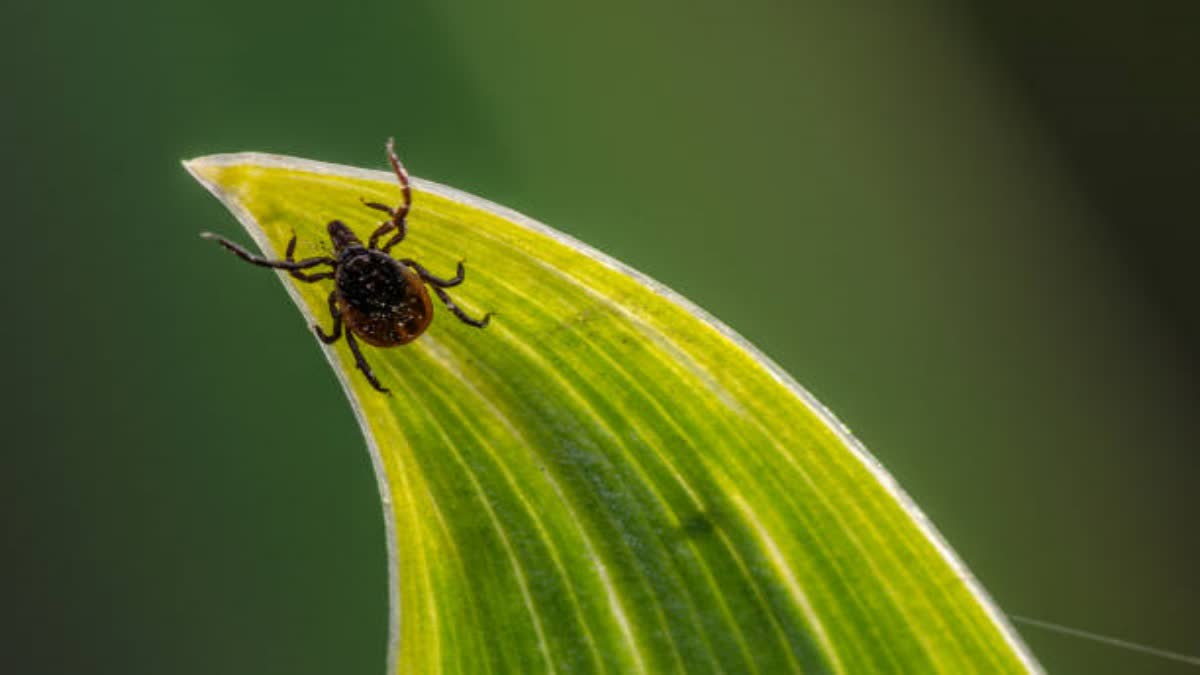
606 479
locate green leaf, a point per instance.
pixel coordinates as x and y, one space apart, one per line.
607 479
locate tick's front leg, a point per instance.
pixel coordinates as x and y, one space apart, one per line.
264 262
291 250
398 214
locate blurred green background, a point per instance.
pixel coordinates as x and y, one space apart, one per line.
968 228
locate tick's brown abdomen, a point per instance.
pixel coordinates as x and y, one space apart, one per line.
381 300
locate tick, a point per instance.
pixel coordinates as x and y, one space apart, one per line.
377 298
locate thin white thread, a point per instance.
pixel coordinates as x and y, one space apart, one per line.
1108 640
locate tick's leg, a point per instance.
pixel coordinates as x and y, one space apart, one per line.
311 277
337 333
462 316
401 175
396 239
362 363
263 262
401 227
377 206
337 322
398 214
384 227
291 249
436 281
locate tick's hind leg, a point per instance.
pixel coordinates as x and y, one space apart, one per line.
436 281
264 262
361 362
337 322
462 316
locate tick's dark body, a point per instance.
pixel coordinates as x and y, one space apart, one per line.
378 298
384 302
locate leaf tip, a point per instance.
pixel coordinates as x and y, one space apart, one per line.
201 168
